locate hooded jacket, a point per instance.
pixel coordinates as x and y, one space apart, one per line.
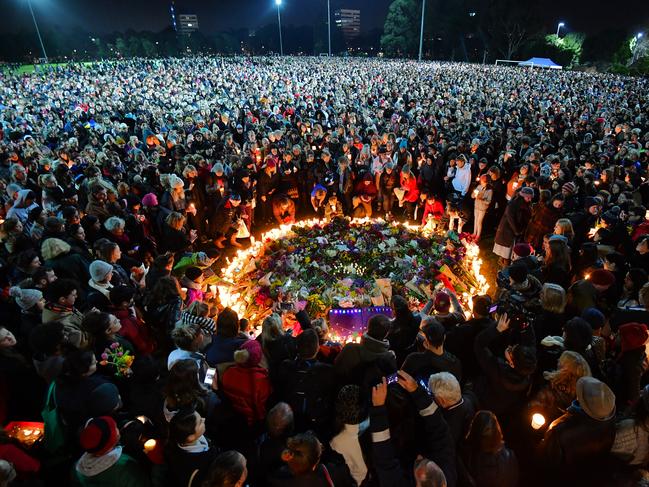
368 350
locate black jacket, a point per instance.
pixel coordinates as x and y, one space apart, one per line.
439 445
422 364
500 388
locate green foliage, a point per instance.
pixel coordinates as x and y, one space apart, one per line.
570 45
400 36
603 46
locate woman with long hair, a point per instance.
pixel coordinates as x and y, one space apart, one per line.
557 267
561 386
488 462
162 309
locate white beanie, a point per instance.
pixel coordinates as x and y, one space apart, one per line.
25 298
99 270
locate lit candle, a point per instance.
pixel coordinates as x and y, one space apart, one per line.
515 185
538 420
142 419
213 289
149 445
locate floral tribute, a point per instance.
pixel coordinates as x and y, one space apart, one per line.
118 357
348 264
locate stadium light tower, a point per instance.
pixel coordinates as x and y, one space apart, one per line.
279 25
329 25
559 25
421 30
38 32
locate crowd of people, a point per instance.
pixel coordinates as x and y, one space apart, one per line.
125 184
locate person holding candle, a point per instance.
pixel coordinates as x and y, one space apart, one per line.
512 224
482 195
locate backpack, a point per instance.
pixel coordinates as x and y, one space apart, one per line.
312 407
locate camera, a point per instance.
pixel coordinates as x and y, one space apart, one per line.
519 316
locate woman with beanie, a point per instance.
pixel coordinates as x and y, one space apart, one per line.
246 384
103 464
350 427
31 304
561 387
488 462
99 283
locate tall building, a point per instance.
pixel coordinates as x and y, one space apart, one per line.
349 21
187 23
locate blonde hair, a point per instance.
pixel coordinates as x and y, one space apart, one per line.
565 227
553 298
572 366
53 247
271 328
175 220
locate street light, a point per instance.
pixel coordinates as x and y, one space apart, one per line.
38 32
421 30
279 25
329 25
561 24
638 36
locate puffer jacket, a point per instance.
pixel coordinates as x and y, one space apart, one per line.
248 389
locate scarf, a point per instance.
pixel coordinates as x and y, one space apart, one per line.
102 288
91 466
199 446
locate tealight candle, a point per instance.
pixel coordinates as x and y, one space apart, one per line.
149 445
538 420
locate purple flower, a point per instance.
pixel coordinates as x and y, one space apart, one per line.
114 345
119 354
104 356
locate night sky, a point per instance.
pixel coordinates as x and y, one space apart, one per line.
103 16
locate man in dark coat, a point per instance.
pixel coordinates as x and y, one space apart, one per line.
438 467
513 223
505 382
576 445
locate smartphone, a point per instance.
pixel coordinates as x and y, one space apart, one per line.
424 385
136 248
393 378
493 308
209 376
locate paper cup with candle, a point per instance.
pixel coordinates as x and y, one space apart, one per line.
538 420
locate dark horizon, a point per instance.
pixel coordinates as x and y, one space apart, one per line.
107 16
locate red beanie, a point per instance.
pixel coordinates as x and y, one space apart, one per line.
602 277
442 302
633 335
99 436
522 249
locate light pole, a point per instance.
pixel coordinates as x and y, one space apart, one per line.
279 25
38 32
421 30
638 36
329 24
559 25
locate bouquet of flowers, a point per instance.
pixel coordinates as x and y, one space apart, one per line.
118 357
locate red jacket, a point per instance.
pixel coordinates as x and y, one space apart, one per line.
23 463
135 331
248 388
436 209
411 189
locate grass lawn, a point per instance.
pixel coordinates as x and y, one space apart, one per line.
30 68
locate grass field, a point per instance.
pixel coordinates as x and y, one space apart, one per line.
30 68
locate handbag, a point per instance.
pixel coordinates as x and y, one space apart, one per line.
54 440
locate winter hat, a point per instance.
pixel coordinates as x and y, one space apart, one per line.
602 277
595 398
99 270
590 201
307 344
218 167
578 335
610 217
594 317
524 359
442 302
104 399
569 188
249 354
150 199
348 405
53 247
25 298
99 436
522 249
633 335
527 191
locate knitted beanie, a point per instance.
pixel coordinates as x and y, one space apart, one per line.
25 298
99 270
99 436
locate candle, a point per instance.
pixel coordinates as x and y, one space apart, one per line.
149 445
596 183
142 419
587 276
515 185
538 420
213 289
